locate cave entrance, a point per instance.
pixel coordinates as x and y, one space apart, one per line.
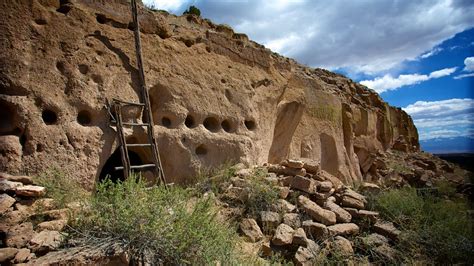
115 160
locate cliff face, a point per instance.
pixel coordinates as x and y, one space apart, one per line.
216 96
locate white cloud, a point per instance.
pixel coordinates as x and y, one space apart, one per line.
469 64
464 76
433 51
387 82
443 119
362 36
169 5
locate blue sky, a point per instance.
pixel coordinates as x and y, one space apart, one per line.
419 55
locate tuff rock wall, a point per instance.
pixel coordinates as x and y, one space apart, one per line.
216 96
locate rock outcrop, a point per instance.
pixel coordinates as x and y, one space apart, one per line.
216 96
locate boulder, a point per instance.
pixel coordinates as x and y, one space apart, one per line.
305 184
325 186
46 241
6 254
367 215
55 225
25 180
299 237
283 170
269 221
296 164
292 219
316 212
342 216
266 249
369 188
19 235
5 203
30 191
311 166
315 230
351 202
283 235
251 230
283 192
283 206
341 247
23 255
7 185
305 255
236 194
343 229
387 229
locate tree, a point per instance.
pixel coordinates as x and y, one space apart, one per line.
193 10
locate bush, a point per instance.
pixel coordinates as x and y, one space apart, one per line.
61 187
434 228
166 226
193 10
262 194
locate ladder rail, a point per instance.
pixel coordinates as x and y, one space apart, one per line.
123 144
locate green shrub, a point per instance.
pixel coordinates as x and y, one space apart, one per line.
433 228
60 187
193 10
261 193
168 226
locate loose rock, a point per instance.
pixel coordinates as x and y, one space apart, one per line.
7 254
23 255
251 230
387 229
46 241
30 191
342 215
299 237
343 229
315 230
283 235
316 212
304 184
19 235
292 219
269 221
5 202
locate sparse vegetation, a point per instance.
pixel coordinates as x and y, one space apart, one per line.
432 228
61 187
261 195
192 10
159 225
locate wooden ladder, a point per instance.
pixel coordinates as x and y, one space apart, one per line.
147 117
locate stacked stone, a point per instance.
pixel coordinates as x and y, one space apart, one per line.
326 214
21 207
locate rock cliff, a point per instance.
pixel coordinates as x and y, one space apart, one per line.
216 96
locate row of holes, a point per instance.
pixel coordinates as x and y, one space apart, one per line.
51 118
210 123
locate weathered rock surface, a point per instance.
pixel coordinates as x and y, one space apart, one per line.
316 212
283 235
64 63
46 241
5 203
251 230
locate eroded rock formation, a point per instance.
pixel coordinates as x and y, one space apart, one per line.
216 96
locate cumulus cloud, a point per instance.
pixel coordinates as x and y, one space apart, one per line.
469 64
387 82
363 36
443 119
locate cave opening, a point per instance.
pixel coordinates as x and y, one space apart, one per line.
115 160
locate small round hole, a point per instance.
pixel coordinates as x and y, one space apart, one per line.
227 126
84 69
39 147
84 118
49 117
250 124
189 122
208 49
223 81
41 21
101 18
166 122
211 124
201 150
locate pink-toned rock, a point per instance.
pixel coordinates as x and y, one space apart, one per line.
315 230
23 255
56 225
7 185
316 212
296 164
325 186
6 254
283 235
343 229
46 241
251 230
5 203
30 191
342 216
25 180
311 166
19 235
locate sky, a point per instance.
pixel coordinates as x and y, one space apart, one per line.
418 55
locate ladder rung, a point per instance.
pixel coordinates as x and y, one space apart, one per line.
128 103
139 145
135 124
137 166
